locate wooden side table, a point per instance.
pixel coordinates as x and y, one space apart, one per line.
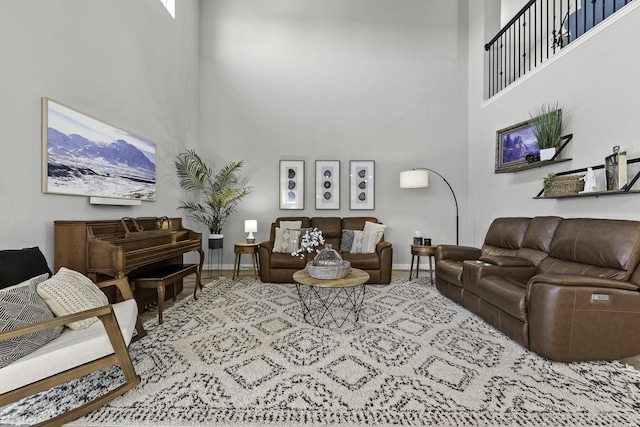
418 251
245 248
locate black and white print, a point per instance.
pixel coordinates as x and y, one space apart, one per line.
362 184
327 184
291 184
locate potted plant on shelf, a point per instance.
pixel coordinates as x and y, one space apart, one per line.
548 182
218 192
546 124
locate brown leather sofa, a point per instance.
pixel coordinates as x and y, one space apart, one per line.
279 267
567 289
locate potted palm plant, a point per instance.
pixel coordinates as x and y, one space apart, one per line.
546 124
218 192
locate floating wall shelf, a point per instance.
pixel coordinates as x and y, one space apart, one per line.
624 190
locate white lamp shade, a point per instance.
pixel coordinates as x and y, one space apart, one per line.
416 178
250 225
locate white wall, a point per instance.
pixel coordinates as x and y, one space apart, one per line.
125 62
595 79
339 80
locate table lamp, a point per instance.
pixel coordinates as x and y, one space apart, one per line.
250 225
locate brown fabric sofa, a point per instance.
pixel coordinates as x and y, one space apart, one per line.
279 267
567 289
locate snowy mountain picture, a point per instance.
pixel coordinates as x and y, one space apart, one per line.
87 157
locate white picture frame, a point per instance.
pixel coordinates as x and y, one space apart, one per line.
327 184
291 189
362 184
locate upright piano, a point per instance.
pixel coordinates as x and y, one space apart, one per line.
131 247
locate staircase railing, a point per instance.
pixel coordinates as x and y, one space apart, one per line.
540 30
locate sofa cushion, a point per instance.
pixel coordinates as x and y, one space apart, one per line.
280 260
507 233
540 232
18 265
330 226
363 261
20 307
356 222
72 348
69 292
287 240
605 243
506 293
450 270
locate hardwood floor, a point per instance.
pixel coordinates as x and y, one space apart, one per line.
210 276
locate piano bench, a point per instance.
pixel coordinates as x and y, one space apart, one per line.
168 275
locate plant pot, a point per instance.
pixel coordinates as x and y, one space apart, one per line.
547 153
215 241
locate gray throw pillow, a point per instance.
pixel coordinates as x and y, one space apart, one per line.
347 241
20 307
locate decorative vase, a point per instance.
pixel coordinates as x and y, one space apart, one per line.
215 241
328 257
547 153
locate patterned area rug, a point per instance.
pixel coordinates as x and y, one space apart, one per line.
243 355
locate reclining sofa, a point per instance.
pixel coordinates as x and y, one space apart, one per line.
278 267
567 289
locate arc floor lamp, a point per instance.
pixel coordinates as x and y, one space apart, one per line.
419 178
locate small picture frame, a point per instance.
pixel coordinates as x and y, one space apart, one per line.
327 184
291 184
362 184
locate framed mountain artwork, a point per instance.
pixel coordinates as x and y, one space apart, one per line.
83 156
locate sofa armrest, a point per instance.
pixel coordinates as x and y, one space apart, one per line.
474 271
506 261
126 293
382 245
575 318
100 312
122 284
578 280
457 253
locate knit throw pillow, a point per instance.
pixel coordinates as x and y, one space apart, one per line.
364 242
70 292
287 240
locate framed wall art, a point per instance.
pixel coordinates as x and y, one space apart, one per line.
291 184
362 184
327 184
513 144
83 156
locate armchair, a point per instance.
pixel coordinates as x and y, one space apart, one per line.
76 353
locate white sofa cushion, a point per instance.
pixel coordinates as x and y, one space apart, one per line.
72 348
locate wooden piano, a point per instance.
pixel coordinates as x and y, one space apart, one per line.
132 247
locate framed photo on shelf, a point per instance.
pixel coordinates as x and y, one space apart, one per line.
291 184
362 184
615 168
327 184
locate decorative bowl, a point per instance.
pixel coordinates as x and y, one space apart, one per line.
328 272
